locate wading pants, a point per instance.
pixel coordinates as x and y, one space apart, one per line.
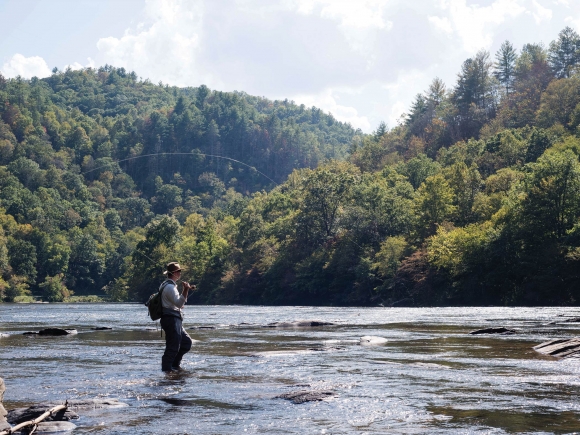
177 342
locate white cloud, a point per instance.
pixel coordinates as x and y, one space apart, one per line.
540 13
166 50
362 60
574 22
359 20
327 101
474 24
26 67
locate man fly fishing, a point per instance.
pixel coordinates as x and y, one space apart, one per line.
177 341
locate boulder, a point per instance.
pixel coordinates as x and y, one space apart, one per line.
560 348
501 330
3 412
298 324
20 415
370 340
298 397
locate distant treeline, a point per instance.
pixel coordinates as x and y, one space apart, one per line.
473 199
70 215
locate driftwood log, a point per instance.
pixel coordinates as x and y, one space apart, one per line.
34 422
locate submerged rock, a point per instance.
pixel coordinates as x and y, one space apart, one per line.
52 332
569 320
54 427
504 331
370 340
561 348
299 397
298 324
102 328
84 404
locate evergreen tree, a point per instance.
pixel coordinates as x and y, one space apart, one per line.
564 53
504 67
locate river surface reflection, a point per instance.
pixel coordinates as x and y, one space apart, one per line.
429 377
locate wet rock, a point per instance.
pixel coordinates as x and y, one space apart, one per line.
299 397
561 348
370 340
504 331
298 324
2 410
54 426
20 415
53 332
102 328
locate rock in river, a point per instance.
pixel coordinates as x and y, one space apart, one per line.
20 415
53 332
562 348
501 330
298 397
3 424
102 328
298 324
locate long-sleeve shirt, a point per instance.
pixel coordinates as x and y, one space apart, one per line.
171 299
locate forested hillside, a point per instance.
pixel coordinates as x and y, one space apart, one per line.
473 199
89 158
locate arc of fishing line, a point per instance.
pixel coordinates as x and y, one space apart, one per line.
181 154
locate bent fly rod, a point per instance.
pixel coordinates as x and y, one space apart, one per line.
180 154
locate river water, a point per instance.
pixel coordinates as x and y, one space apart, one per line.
429 377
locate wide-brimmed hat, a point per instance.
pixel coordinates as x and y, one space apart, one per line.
172 267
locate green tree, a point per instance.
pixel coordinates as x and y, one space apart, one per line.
433 204
505 65
54 290
564 54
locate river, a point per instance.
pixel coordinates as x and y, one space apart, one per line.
429 377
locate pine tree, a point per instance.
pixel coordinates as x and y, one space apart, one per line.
564 53
505 65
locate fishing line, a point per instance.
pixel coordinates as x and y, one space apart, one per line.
181 154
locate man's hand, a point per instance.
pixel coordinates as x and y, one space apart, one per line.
186 288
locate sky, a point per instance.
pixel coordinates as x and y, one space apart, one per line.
362 60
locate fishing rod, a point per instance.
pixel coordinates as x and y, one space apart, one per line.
181 154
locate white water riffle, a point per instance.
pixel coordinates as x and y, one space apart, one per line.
427 374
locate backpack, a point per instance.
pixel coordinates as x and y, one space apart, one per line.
154 303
